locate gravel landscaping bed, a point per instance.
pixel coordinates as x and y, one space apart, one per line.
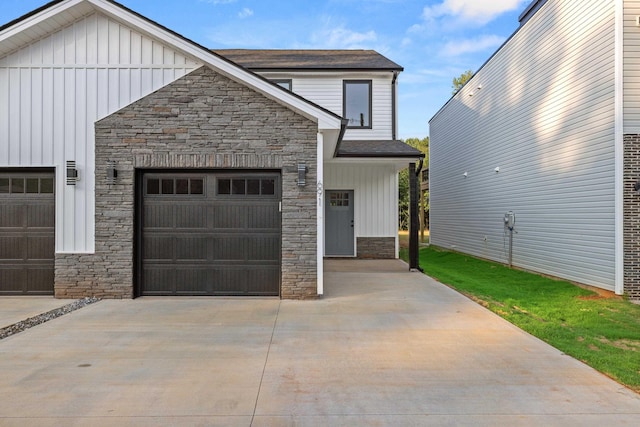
45 317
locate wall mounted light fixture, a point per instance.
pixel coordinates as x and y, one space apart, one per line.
636 186
302 174
112 172
497 169
72 173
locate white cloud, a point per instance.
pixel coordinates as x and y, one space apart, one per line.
343 38
245 12
479 11
461 47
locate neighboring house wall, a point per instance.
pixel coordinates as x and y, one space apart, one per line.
631 99
52 92
326 90
542 110
631 67
203 120
375 189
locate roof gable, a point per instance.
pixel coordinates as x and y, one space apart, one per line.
60 13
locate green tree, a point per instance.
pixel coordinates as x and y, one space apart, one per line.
403 182
458 82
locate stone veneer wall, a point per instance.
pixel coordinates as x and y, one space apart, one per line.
631 216
376 247
203 120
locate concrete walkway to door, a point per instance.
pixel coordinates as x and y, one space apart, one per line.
383 347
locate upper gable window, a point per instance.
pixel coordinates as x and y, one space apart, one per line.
283 83
357 103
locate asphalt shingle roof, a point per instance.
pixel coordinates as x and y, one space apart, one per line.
281 59
386 148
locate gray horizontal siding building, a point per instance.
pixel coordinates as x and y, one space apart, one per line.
547 129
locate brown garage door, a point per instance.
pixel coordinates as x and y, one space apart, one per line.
27 233
210 234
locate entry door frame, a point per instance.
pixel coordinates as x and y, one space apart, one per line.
347 227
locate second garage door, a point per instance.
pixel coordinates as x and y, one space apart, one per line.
27 232
210 234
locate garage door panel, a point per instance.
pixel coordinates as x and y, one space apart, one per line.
158 248
263 248
232 282
260 279
228 217
40 247
191 217
191 248
12 216
39 280
227 248
215 240
159 281
13 279
157 216
194 281
39 216
12 247
264 217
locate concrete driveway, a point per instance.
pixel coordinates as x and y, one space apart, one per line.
383 347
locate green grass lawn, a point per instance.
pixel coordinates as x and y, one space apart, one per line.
602 331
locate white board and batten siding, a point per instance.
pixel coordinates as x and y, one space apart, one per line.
542 111
326 90
52 92
375 190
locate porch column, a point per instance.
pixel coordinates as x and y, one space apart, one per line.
413 218
320 215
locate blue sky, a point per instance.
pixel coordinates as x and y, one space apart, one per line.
434 40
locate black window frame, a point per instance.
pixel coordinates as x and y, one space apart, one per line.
344 102
280 83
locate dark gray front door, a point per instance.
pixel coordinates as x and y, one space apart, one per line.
210 234
27 233
339 223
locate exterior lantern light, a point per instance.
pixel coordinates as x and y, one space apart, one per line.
302 174
112 172
72 173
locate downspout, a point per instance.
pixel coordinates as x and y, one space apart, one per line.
394 90
619 147
343 129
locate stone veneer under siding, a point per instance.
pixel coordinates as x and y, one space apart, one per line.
376 247
631 216
207 121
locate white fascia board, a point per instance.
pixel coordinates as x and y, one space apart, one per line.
324 119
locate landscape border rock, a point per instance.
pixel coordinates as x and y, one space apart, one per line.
7 331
